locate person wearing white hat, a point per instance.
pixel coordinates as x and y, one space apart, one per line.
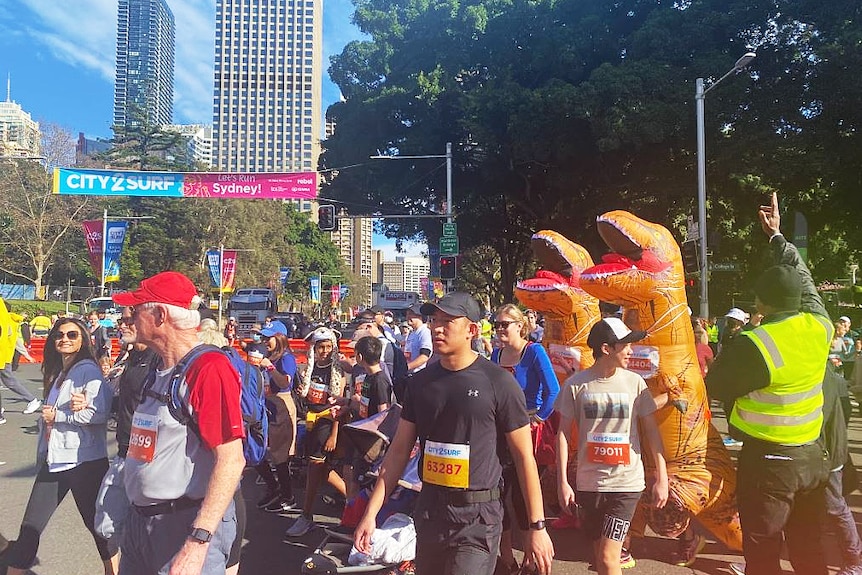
734 321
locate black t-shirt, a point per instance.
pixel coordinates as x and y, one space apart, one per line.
376 389
475 406
319 390
131 386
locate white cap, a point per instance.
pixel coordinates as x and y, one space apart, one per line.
737 314
845 319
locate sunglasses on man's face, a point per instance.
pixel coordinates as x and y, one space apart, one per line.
70 335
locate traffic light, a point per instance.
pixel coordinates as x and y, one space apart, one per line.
448 267
690 256
326 220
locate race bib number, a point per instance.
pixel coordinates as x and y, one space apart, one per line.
644 361
363 407
142 442
318 393
608 448
447 464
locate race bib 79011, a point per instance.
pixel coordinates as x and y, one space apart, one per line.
609 448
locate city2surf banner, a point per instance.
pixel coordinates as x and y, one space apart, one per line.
113 249
222 271
246 186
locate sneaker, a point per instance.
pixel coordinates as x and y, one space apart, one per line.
2 420
626 559
300 527
688 550
33 406
737 568
731 442
268 499
566 522
281 505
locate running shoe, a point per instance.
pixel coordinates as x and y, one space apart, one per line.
737 568
566 522
626 559
688 550
731 442
268 499
300 527
2 420
33 406
281 505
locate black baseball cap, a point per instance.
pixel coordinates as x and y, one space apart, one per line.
456 304
415 309
377 309
612 330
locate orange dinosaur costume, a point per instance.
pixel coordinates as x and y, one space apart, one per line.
568 310
644 274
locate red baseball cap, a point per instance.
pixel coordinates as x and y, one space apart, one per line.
171 288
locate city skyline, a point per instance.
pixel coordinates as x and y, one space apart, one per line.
50 45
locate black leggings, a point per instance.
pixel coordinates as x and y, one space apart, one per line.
48 491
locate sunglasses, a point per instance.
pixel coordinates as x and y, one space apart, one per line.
70 335
503 324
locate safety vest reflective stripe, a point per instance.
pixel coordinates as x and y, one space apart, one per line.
827 325
778 420
787 399
772 348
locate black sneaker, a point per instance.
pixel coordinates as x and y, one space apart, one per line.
281 505
268 499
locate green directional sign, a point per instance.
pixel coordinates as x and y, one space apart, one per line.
450 230
449 246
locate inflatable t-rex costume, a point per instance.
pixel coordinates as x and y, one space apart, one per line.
644 274
568 310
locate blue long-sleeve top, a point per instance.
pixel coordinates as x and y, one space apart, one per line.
535 375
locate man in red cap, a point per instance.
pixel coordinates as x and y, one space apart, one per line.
180 476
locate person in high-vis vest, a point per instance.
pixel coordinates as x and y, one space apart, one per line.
770 380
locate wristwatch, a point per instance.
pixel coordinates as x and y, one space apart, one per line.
200 535
538 525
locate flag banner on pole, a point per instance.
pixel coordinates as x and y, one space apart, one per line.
334 295
214 267
228 270
93 233
113 249
345 291
315 289
439 289
257 186
284 275
424 290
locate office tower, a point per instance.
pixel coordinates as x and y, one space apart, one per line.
405 273
199 140
353 240
268 82
145 63
20 136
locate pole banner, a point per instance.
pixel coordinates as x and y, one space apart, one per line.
93 233
214 267
284 186
113 249
334 295
284 275
228 270
315 289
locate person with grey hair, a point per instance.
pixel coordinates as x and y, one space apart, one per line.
183 466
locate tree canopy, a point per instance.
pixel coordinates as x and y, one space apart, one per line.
559 111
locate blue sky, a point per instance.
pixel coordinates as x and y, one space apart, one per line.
60 55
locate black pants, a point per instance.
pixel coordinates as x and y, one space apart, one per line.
48 491
781 491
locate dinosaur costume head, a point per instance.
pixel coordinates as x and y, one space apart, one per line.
569 311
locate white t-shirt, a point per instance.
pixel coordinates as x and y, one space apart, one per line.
417 340
606 411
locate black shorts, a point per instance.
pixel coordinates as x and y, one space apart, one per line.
607 514
316 438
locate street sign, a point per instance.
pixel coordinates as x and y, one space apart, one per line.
449 246
724 266
450 229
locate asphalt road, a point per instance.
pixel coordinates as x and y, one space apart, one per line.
67 548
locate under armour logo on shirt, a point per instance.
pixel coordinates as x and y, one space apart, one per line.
472 393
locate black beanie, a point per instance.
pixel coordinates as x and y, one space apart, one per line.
780 287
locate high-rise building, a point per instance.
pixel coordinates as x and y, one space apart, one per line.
145 63
268 81
199 138
405 273
353 240
19 133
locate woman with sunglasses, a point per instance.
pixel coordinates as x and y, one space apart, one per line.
72 452
531 366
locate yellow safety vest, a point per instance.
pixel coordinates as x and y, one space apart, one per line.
712 333
789 411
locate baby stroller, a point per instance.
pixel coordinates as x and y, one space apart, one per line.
370 437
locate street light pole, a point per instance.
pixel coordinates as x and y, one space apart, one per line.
700 96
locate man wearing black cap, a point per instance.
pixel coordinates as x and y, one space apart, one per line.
770 380
608 406
464 410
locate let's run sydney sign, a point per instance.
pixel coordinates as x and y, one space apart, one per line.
293 186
